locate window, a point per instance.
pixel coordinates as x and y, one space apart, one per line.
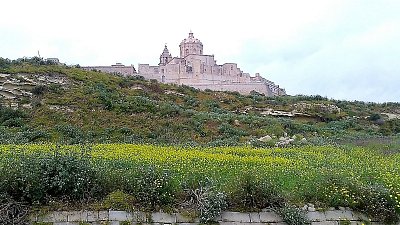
187 52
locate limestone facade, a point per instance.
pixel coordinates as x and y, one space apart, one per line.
117 68
194 68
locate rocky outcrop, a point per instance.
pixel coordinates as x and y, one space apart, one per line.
16 86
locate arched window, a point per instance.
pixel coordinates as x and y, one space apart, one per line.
187 52
201 52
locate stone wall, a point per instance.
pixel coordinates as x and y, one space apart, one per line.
330 217
114 69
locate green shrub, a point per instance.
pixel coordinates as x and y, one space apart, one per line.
154 188
293 215
375 201
169 109
118 200
204 198
71 134
251 193
229 130
213 203
371 199
39 90
11 117
137 104
40 177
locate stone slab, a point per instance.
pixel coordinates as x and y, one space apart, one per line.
186 219
360 217
270 217
163 218
119 216
113 223
316 216
229 223
255 217
325 223
188 223
217 218
66 223
92 216
280 223
103 215
141 217
339 215
240 223
77 216
47 218
60 216
235 217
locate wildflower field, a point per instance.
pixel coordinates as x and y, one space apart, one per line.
364 179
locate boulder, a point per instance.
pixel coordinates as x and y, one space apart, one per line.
265 138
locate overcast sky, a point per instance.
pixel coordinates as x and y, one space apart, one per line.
342 49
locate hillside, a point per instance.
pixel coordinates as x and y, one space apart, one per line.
64 104
173 164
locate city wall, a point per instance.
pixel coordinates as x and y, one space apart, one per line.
329 217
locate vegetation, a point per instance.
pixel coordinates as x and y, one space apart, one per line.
94 107
205 179
58 144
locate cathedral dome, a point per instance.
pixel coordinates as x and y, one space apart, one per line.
191 39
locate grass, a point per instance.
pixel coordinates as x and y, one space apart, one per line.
296 172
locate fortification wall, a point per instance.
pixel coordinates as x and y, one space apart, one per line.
123 70
330 217
243 88
205 82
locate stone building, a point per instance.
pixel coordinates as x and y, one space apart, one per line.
117 68
194 68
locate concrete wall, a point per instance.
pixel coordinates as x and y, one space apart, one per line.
330 217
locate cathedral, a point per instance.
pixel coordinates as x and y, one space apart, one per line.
196 69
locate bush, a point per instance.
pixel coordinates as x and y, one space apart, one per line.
293 215
375 201
251 193
39 90
71 134
371 199
169 109
11 117
137 104
206 200
118 200
40 177
154 188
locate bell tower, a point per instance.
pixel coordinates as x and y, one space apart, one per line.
165 57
